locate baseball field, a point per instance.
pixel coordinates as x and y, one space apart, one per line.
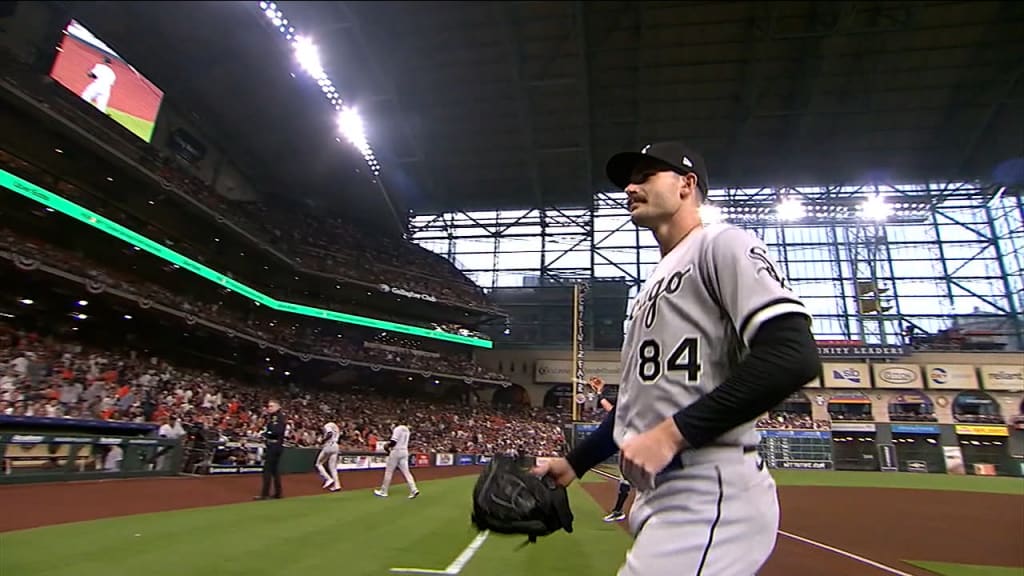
833 524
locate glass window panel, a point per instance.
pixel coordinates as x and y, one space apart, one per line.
616 239
913 251
474 245
511 279
610 271
572 259
519 261
963 231
801 270
481 262
973 268
909 288
917 269
967 250
811 289
910 233
822 306
922 306
520 244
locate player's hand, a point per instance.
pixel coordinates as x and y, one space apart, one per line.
558 469
645 455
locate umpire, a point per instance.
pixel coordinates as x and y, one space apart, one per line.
273 436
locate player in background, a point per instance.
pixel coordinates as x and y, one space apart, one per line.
616 514
715 338
329 455
398 457
97 92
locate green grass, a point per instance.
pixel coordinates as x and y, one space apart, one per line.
944 569
992 484
355 533
345 533
142 128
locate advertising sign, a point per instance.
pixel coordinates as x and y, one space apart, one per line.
1008 378
922 429
950 377
980 430
444 460
846 375
559 371
465 460
897 375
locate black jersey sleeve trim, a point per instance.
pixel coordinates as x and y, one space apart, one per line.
783 358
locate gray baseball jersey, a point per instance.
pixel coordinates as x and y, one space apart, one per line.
691 323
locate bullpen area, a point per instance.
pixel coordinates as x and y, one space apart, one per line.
833 523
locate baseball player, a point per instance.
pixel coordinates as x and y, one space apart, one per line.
103 77
329 455
616 514
398 456
715 338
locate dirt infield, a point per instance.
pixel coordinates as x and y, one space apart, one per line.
31 505
886 526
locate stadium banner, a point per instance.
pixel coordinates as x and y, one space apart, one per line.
950 377
353 462
919 466
803 465
897 376
562 371
852 427
482 459
774 433
1003 377
920 429
954 460
981 430
58 457
378 461
465 460
857 349
887 458
221 470
845 375
419 460
444 460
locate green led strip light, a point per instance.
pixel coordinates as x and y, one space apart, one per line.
60 204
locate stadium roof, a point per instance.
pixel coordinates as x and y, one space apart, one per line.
484 105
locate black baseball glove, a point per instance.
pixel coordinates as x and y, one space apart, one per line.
510 500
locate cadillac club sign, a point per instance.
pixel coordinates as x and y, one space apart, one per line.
857 349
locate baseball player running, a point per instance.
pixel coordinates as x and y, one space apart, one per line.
329 455
715 338
398 456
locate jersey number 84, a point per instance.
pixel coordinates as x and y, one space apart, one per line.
684 358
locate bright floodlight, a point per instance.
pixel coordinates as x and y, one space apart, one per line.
711 214
791 209
308 56
351 127
875 208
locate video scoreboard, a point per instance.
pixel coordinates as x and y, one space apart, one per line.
797 449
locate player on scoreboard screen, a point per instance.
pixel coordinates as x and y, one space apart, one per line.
329 455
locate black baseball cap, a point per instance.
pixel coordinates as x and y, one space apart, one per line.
675 156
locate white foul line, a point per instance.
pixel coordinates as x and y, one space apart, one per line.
849 555
457 565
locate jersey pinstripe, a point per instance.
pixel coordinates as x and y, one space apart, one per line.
691 323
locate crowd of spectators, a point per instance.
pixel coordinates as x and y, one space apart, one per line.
791 421
358 345
42 376
978 418
911 416
841 416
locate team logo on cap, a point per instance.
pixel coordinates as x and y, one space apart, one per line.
646 148
687 162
